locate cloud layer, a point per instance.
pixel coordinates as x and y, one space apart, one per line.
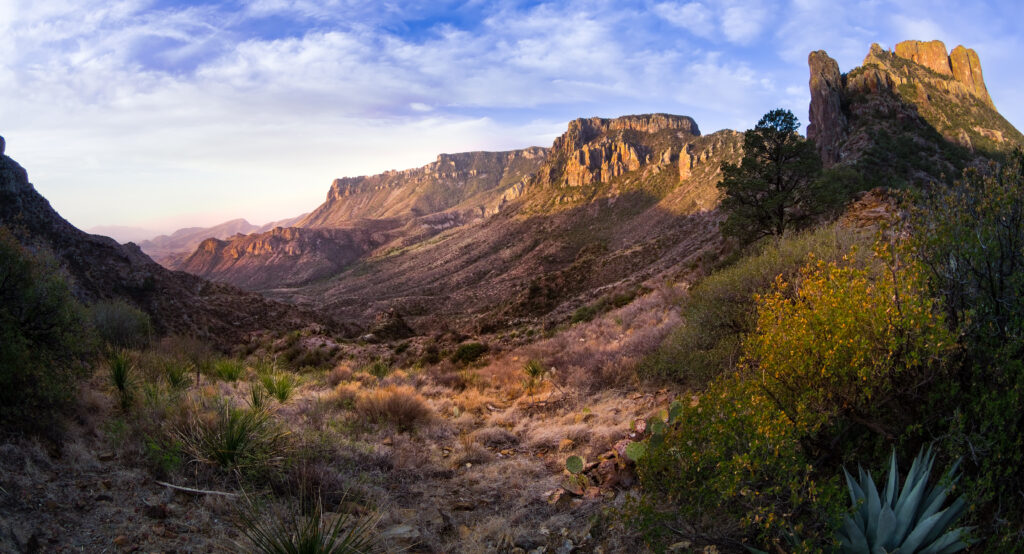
166 113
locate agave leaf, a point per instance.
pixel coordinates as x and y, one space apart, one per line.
874 509
886 533
852 537
920 532
947 517
892 485
907 507
856 493
950 542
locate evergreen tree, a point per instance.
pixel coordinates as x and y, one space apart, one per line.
777 185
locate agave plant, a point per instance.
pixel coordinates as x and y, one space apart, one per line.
905 521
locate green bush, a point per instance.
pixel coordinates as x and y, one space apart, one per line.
469 352
721 309
44 338
970 236
120 324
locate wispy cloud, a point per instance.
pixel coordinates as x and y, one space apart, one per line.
213 111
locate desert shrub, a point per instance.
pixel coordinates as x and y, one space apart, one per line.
120 324
228 369
378 368
315 532
721 309
279 385
44 337
469 352
400 406
970 235
338 375
833 369
232 437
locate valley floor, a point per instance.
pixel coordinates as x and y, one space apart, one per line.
480 468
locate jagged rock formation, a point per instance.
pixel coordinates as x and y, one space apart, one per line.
597 150
828 122
915 114
477 182
101 268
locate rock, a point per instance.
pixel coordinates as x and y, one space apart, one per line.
3 145
565 548
158 511
400 532
389 325
827 126
966 68
930 54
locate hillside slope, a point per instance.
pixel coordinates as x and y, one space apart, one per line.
620 204
101 269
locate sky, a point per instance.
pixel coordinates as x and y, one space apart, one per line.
162 114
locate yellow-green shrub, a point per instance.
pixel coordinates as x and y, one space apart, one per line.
835 358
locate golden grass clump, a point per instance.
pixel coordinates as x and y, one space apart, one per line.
339 374
401 406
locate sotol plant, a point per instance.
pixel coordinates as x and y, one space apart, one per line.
906 521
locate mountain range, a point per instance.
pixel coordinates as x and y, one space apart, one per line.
484 241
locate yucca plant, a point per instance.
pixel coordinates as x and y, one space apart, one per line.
315 533
122 369
228 369
911 520
279 385
233 438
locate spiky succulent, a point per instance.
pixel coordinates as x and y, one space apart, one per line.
911 520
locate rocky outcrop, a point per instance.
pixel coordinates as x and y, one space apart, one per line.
893 112
962 64
931 54
827 126
966 69
101 268
596 150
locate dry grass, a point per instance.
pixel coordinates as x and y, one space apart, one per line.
339 374
401 406
495 437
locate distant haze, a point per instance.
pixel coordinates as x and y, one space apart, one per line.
161 115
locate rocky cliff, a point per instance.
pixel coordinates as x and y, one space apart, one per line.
913 113
475 182
101 268
598 157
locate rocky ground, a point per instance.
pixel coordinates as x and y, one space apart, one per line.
482 470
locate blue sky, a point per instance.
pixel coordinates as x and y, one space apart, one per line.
167 113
